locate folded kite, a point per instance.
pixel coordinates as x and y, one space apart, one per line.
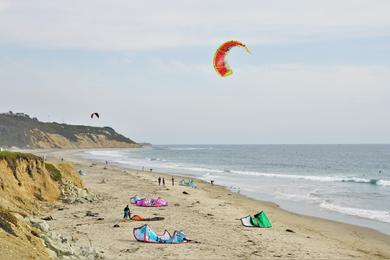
139 218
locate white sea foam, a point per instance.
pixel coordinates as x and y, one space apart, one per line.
317 178
298 197
114 154
380 215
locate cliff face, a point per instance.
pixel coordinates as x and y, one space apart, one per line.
27 186
24 132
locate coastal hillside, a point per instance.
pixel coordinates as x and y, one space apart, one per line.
19 130
29 186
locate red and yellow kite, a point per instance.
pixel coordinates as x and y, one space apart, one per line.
220 63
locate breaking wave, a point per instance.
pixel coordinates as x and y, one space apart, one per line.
380 215
378 182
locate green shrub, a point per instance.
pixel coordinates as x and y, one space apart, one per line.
55 174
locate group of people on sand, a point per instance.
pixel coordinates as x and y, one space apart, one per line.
162 181
126 210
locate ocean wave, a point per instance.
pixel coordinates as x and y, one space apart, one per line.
199 169
155 159
378 182
105 153
298 197
161 163
380 215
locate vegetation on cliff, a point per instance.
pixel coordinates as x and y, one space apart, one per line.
28 186
24 132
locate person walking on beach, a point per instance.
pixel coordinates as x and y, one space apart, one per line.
173 181
159 181
163 181
126 212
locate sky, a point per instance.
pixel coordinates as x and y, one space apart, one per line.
318 71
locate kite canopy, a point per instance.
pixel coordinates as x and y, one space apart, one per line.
190 183
159 202
133 200
220 64
139 218
146 234
258 220
95 114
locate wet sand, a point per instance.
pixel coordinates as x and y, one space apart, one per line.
209 215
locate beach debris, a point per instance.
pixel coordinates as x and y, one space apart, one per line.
100 218
116 226
34 233
258 220
220 63
184 192
91 214
60 209
251 241
130 250
290 230
48 218
95 115
81 173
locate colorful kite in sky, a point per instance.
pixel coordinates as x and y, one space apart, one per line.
220 63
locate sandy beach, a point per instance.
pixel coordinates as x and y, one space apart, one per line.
209 215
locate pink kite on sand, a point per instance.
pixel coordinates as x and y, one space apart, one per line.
159 202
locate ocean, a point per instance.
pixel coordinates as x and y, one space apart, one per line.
346 183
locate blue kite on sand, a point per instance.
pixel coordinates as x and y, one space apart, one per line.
147 235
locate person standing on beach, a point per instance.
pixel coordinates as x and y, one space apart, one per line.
126 212
173 181
163 181
159 181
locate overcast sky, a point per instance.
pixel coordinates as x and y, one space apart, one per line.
318 72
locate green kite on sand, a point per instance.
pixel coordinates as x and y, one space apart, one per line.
258 220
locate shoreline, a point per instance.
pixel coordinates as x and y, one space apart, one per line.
309 208
313 237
